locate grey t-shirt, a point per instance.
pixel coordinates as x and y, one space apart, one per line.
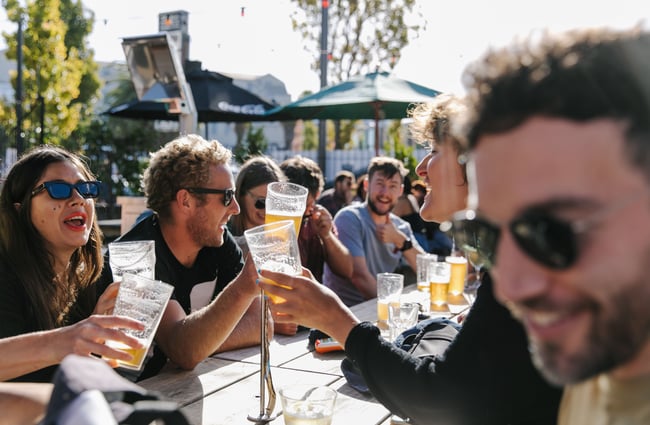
358 233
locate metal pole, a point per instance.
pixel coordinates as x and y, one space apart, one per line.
266 382
322 124
19 88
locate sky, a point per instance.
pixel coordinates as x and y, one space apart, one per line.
262 42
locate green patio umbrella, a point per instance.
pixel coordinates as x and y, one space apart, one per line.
377 96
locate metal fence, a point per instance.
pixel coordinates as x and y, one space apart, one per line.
335 160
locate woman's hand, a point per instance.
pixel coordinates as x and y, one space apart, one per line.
106 301
88 337
308 303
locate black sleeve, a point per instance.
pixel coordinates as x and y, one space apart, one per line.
486 377
230 262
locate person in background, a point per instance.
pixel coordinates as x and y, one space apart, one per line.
360 196
486 375
318 240
50 257
214 307
569 243
375 237
428 233
338 196
419 190
407 204
250 191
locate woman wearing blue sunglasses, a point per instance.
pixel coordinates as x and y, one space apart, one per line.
50 255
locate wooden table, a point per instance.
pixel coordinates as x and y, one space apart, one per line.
224 388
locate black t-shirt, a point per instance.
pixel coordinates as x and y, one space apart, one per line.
194 287
486 377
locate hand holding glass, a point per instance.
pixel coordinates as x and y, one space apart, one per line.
144 300
274 247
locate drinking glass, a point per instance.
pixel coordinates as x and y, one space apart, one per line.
274 247
439 276
458 274
401 317
286 201
389 290
142 299
302 405
136 257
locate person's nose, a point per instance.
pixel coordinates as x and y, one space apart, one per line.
234 207
517 277
76 198
421 169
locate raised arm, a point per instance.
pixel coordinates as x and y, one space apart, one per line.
337 255
188 339
29 352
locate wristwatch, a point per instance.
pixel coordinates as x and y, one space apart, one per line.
407 245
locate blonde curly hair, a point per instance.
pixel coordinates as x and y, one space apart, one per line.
183 162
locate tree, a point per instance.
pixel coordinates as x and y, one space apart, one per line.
399 149
255 144
59 73
118 148
363 36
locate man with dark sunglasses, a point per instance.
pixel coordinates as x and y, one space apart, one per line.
190 188
560 209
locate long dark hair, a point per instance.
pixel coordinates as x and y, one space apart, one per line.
23 248
255 171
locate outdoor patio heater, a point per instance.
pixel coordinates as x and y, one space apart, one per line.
155 65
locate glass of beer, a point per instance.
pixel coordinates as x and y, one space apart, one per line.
389 291
458 274
286 201
142 299
274 246
439 276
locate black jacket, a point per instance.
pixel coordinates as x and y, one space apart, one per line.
486 377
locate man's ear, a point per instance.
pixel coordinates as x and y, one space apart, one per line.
183 198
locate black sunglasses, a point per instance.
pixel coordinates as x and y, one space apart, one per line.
260 203
62 190
228 194
551 241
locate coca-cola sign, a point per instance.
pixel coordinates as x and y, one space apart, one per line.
250 109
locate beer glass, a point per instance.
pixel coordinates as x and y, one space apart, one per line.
286 201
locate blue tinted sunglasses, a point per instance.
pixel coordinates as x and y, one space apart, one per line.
62 190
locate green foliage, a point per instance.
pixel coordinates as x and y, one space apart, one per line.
396 148
59 72
363 35
118 152
255 144
310 136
